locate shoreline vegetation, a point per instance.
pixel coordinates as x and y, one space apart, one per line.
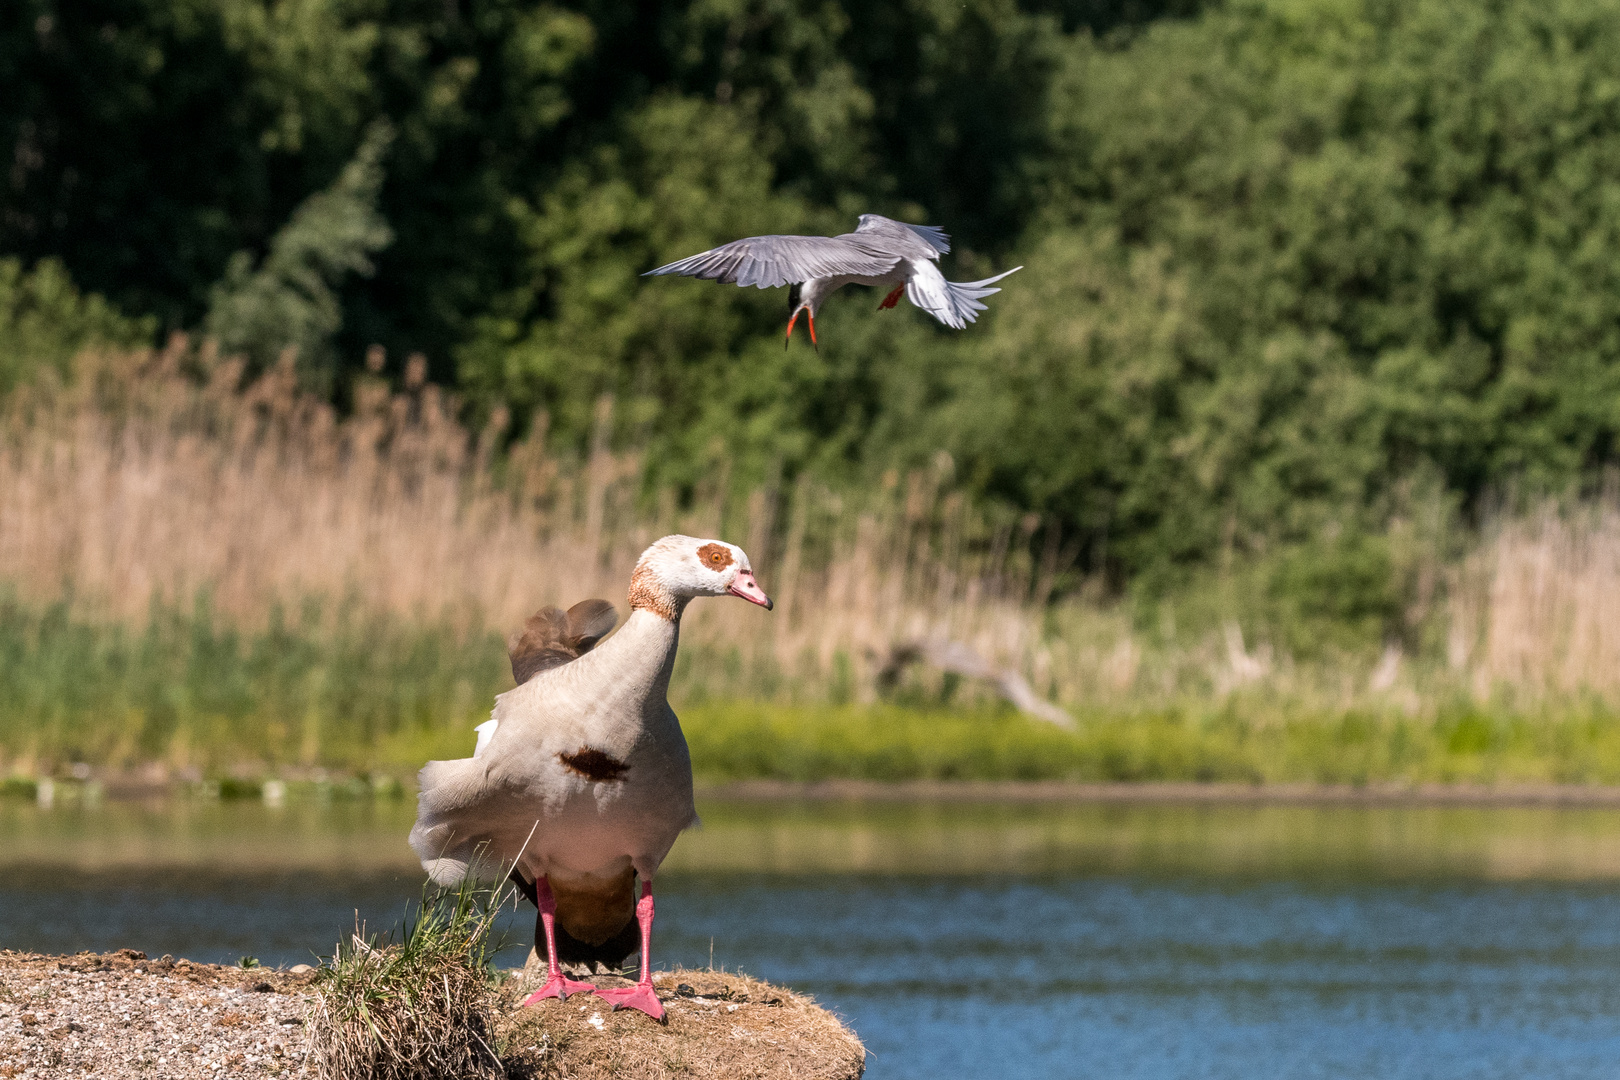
225 581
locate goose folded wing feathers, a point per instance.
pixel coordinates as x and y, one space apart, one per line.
552 637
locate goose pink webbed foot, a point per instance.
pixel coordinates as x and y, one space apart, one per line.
641 996
557 984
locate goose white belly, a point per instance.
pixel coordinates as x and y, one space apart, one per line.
597 807
584 772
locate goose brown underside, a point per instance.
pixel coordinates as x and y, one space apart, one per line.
596 921
552 637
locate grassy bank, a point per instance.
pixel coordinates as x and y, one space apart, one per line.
1253 741
384 694
188 689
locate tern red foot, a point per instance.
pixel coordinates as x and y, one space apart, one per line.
557 984
893 298
810 317
642 995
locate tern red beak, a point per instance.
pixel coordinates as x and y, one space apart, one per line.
745 586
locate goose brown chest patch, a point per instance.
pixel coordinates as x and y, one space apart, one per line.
715 556
647 594
593 764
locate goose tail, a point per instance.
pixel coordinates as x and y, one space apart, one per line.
451 851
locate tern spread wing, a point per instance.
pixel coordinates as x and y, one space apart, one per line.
911 241
768 261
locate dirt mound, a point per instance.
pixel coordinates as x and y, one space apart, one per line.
719 1025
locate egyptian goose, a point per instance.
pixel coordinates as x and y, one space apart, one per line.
581 780
881 251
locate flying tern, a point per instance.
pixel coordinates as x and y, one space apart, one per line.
881 251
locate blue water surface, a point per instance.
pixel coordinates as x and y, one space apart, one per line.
1121 978
1152 974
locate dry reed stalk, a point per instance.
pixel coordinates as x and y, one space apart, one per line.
1551 616
160 476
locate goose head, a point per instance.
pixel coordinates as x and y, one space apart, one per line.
677 568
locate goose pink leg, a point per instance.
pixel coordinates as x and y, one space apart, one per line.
642 995
557 985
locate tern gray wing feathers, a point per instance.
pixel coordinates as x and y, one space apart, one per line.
880 252
903 239
767 262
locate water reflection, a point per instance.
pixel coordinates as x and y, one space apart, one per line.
1292 841
994 940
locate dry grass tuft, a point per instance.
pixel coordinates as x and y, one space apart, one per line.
422 1009
721 1026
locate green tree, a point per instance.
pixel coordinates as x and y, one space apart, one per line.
151 139
45 322
1295 256
289 299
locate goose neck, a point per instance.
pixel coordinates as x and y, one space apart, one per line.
644 649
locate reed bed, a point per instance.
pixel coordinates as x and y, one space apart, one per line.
159 479
207 570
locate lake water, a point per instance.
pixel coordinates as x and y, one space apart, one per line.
983 940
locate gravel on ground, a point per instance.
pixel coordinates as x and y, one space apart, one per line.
122 1014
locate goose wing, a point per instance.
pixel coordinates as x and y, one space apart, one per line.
766 262
552 637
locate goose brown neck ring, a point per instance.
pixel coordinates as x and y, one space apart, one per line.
649 594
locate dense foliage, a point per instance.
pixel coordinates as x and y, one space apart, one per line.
1295 269
45 322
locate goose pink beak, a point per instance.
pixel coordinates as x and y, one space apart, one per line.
746 587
